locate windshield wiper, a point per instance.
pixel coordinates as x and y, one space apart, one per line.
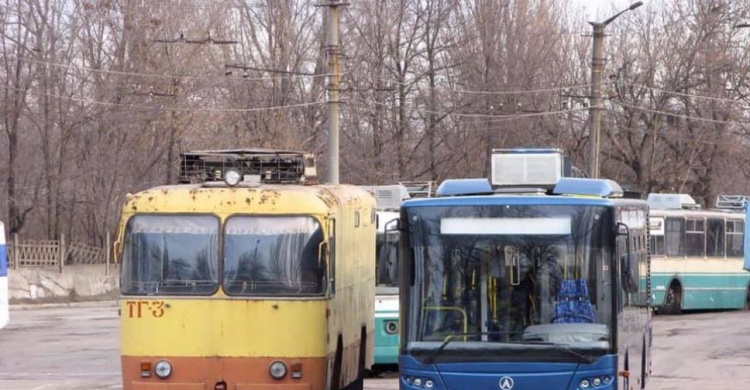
562 347
452 337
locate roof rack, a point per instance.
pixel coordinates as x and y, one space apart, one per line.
262 165
732 202
419 189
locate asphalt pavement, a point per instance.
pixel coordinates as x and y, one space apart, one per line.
76 346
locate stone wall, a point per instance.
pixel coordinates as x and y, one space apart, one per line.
76 281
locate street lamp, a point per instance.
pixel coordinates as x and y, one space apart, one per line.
595 110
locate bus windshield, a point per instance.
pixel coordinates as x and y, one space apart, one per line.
273 256
503 278
170 254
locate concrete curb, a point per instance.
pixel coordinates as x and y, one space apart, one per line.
35 306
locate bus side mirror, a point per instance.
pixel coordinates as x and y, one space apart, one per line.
323 254
628 262
116 251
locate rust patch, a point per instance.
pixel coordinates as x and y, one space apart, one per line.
248 201
327 197
150 198
270 196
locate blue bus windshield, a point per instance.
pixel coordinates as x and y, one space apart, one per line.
498 279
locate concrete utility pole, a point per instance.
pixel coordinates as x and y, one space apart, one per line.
595 109
332 87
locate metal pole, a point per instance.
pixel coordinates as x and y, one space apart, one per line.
62 250
334 71
16 252
595 110
108 253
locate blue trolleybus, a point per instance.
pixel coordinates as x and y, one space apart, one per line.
525 291
3 279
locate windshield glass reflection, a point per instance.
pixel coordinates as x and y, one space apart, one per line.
510 275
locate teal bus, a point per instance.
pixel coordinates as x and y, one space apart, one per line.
389 199
697 256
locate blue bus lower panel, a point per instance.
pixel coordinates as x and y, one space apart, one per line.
508 376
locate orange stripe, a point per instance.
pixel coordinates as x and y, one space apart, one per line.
199 373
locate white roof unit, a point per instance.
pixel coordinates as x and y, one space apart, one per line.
527 167
388 197
671 201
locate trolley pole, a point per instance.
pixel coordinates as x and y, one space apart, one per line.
332 87
595 109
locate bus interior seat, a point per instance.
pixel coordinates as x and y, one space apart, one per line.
573 304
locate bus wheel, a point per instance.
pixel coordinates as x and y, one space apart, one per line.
747 299
337 361
673 304
359 383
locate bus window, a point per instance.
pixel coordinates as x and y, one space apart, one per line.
656 226
735 238
170 255
715 238
675 237
273 256
695 238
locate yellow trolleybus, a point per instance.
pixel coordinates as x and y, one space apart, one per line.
243 277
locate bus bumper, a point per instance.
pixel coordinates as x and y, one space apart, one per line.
224 373
508 376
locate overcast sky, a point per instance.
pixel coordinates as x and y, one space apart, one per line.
601 9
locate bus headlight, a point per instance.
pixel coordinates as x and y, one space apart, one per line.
232 177
163 369
391 327
278 370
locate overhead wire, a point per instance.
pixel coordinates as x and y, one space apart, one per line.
161 75
457 113
684 94
171 109
485 92
682 116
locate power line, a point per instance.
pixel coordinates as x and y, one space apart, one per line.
476 92
472 115
157 75
697 118
178 109
664 91
668 133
